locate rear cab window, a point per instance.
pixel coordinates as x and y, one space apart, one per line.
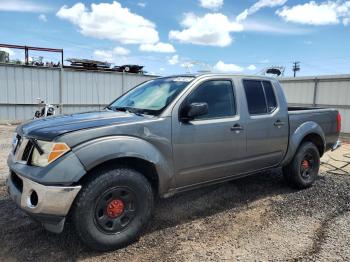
270 96
261 98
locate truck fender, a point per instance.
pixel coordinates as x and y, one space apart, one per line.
298 135
98 151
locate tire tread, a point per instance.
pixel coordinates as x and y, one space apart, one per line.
291 171
100 179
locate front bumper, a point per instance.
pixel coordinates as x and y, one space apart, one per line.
48 204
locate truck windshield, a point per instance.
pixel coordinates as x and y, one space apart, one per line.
151 97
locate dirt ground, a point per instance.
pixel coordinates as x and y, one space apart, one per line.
258 218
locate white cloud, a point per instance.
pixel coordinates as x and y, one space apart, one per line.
273 28
22 6
8 50
111 55
232 68
312 13
111 21
215 29
251 67
222 67
211 29
187 64
74 14
42 18
103 55
174 60
211 4
141 4
158 47
121 51
257 6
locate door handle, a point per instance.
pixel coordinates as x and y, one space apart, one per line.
278 123
237 127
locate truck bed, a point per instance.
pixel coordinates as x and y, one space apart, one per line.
324 117
303 108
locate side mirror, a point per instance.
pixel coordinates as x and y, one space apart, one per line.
193 110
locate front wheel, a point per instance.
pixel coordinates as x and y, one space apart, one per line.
302 171
113 208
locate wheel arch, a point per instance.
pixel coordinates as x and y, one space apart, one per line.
308 131
146 168
126 151
317 140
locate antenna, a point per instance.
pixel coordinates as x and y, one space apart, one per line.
296 67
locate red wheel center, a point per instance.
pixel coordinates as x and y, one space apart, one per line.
305 164
115 208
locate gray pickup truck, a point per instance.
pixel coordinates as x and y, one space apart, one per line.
104 169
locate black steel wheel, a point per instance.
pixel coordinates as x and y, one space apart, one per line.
302 171
115 209
112 208
307 166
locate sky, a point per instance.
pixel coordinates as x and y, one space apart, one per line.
179 36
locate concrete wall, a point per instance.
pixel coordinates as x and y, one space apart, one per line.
321 91
75 90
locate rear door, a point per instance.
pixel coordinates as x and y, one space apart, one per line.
267 125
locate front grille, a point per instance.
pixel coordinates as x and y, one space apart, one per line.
17 181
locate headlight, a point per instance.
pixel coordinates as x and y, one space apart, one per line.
50 152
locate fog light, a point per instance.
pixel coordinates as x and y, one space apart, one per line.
33 199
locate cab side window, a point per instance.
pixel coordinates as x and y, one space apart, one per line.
219 96
270 96
260 96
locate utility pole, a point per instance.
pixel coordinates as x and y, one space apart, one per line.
296 67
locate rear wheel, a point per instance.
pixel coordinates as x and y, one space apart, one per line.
113 208
302 171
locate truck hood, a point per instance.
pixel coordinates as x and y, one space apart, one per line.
51 127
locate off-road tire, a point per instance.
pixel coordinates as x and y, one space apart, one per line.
85 214
293 172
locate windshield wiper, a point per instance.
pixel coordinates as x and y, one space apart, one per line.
37 146
123 109
135 111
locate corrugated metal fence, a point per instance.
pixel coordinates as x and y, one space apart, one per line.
75 90
322 91
82 90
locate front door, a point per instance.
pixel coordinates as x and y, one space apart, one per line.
209 147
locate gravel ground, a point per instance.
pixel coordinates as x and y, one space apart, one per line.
258 218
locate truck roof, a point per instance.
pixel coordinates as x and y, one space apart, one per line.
221 75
